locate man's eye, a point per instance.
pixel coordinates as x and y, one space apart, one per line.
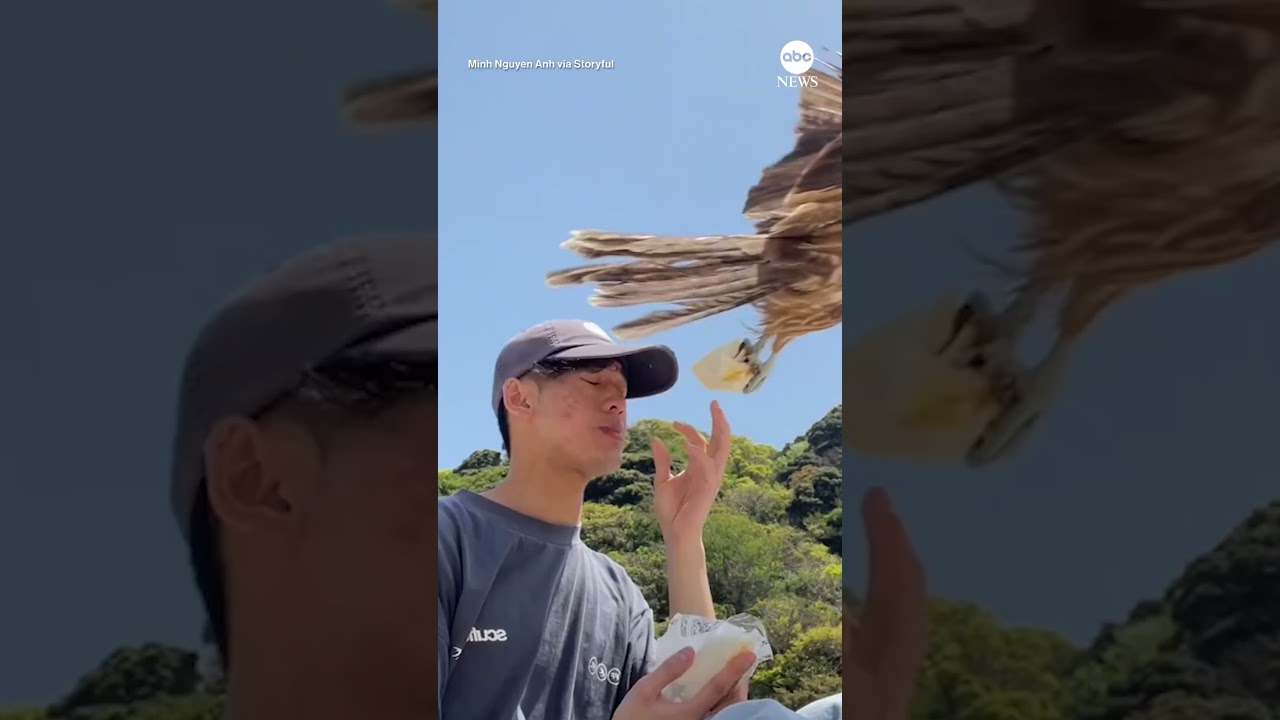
590 382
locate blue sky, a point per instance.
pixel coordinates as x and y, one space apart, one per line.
667 142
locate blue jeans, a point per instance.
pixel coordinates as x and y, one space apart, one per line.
827 708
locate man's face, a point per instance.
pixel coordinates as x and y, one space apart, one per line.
329 521
371 531
581 414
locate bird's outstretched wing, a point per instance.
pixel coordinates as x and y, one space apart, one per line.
948 93
795 206
814 164
408 98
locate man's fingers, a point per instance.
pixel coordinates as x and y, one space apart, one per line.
697 458
849 634
695 446
735 696
909 637
893 637
661 461
721 435
859 700
651 685
723 684
871 625
691 435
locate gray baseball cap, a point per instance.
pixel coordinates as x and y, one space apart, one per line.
650 369
367 297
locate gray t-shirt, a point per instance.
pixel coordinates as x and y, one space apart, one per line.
534 625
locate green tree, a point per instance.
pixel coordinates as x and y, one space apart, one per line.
978 670
479 460
765 503
749 461
788 617
808 670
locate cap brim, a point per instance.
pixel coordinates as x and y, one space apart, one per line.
650 369
419 341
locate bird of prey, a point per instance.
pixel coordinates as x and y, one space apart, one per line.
1140 139
789 270
406 98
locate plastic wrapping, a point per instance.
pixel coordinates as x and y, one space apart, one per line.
715 643
724 369
903 401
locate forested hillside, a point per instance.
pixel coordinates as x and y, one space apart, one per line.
772 550
1207 649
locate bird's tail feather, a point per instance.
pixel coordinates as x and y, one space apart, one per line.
931 103
702 276
426 7
401 99
663 320
594 244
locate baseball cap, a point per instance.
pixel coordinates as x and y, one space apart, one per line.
367 298
649 369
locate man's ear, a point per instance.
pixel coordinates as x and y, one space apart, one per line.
519 396
243 478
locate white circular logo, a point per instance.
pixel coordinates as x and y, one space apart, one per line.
797 57
603 672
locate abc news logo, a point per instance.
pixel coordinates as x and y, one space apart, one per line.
797 57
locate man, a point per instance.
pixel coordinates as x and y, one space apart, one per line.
302 481
534 625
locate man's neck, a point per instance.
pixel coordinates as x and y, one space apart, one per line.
269 686
542 491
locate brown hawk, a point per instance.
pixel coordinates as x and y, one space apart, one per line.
1139 138
407 98
789 270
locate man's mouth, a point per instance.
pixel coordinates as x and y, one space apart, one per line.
616 433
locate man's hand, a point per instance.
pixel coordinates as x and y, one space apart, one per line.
736 695
683 501
884 651
645 701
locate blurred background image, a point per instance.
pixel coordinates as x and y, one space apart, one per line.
153 161
1120 563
